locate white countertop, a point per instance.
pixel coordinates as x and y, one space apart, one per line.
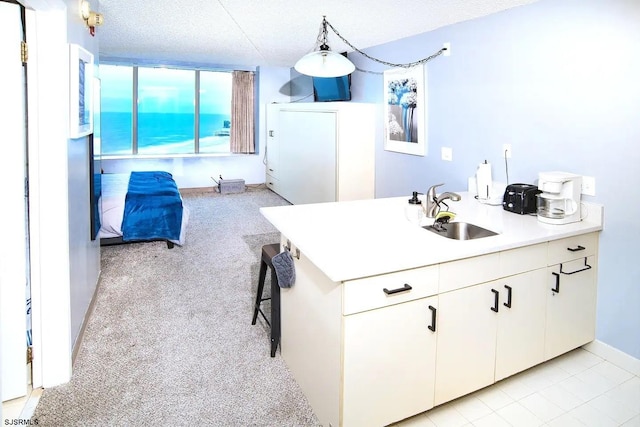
349 240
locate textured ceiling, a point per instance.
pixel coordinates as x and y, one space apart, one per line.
248 33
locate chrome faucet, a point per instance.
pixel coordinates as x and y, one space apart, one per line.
433 201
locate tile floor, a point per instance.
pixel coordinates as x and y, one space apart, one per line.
576 389
21 409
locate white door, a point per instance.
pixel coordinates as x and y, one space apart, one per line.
571 306
307 156
466 347
385 351
13 250
521 323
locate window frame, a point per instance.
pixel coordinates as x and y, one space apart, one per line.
134 112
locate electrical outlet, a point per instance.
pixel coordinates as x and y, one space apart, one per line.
506 151
446 153
588 186
447 46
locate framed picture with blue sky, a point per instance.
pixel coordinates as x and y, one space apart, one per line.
405 110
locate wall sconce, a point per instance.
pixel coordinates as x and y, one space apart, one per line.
91 18
85 9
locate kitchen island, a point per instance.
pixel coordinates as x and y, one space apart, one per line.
387 320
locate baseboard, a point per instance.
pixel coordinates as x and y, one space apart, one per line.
87 316
615 356
195 190
214 189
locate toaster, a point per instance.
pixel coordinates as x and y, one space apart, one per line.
520 198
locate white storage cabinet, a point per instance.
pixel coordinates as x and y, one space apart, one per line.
386 347
321 152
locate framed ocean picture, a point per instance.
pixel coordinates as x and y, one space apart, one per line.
80 92
405 110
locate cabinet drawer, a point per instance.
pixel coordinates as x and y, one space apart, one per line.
520 260
388 289
469 271
572 248
272 182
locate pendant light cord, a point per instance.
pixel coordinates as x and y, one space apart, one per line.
326 23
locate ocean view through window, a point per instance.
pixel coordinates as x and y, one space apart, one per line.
167 103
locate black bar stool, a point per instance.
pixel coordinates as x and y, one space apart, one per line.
268 252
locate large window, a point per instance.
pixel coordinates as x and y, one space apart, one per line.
215 111
116 105
160 111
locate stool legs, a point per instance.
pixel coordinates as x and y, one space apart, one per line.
275 313
259 299
268 252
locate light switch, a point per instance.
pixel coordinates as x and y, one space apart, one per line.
447 153
588 185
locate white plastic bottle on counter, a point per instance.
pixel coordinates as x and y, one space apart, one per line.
414 210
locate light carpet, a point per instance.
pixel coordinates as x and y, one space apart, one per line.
170 340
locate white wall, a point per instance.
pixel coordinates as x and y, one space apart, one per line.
84 253
557 79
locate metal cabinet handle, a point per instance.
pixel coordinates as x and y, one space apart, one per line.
556 288
406 287
496 296
576 249
585 268
432 326
509 292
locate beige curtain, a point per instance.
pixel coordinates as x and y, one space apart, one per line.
242 133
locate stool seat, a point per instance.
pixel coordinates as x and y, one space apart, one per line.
268 252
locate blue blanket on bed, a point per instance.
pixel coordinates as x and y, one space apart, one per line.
153 207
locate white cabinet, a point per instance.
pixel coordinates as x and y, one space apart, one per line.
387 350
272 156
389 344
376 350
489 331
321 152
466 342
571 294
521 323
311 337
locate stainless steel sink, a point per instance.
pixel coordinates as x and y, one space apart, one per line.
460 231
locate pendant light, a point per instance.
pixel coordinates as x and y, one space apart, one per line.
324 62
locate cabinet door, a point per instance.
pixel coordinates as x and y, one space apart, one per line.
388 365
273 150
307 145
571 306
521 322
466 341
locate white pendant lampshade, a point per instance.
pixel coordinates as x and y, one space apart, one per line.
324 63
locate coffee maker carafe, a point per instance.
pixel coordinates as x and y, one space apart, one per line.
559 202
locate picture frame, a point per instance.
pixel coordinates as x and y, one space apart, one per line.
80 92
405 109
95 164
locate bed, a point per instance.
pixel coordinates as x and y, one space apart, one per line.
141 206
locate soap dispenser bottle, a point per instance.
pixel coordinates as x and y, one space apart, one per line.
414 211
